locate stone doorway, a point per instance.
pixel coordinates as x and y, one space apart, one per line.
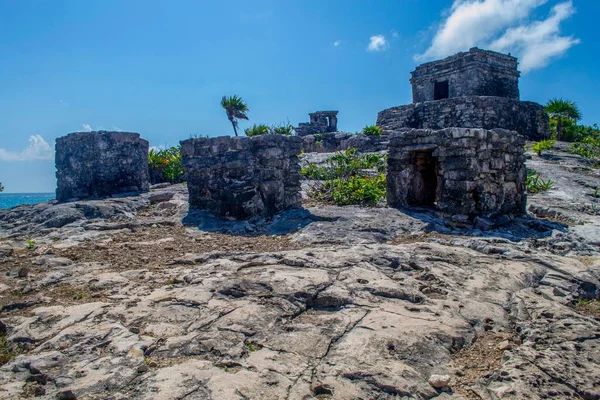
424 185
441 90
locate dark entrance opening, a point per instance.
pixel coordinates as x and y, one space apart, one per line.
424 185
441 90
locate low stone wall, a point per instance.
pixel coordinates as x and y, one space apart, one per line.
464 173
100 164
338 141
524 117
242 177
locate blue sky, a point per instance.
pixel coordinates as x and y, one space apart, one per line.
160 68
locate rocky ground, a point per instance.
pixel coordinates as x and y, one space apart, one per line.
136 298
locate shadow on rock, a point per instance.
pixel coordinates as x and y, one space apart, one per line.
284 223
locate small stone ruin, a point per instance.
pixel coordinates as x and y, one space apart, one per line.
474 89
320 122
466 174
243 177
100 164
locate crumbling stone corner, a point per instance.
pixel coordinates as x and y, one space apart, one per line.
464 173
100 164
242 177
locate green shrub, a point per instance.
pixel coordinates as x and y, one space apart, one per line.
542 145
314 172
361 190
283 129
535 184
257 130
372 130
166 163
588 142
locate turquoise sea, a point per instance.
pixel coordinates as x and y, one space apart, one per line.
8 200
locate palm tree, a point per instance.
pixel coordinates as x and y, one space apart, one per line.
561 110
236 108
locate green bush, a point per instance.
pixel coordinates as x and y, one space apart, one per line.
347 179
167 164
535 184
372 130
542 145
361 190
283 129
257 130
588 142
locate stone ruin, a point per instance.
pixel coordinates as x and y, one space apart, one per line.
474 89
242 177
320 122
100 164
466 174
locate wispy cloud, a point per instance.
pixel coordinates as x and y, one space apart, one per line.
86 128
395 34
377 43
38 149
337 43
503 25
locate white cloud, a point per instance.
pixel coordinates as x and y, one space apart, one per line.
377 43
506 26
86 128
337 43
38 149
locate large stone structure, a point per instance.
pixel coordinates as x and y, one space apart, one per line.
474 89
242 177
464 173
320 122
338 141
524 117
473 73
100 164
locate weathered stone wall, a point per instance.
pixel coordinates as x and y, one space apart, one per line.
242 177
473 73
320 122
526 118
464 173
337 141
100 164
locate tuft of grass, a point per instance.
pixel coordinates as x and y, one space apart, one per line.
535 184
31 244
253 346
372 130
8 351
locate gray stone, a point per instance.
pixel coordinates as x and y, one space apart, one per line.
242 177
444 174
474 73
100 164
338 141
320 122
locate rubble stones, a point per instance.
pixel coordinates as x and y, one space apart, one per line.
100 164
242 177
464 173
526 118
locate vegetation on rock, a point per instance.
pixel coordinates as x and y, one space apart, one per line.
262 129
167 163
562 112
587 142
350 178
542 145
256 130
535 184
372 130
235 108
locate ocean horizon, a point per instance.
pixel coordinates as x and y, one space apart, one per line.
9 200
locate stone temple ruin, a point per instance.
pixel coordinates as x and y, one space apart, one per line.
464 173
320 122
242 177
474 89
100 164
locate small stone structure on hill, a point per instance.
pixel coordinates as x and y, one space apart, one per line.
243 177
100 164
463 173
474 89
320 122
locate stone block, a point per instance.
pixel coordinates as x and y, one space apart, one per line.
100 164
